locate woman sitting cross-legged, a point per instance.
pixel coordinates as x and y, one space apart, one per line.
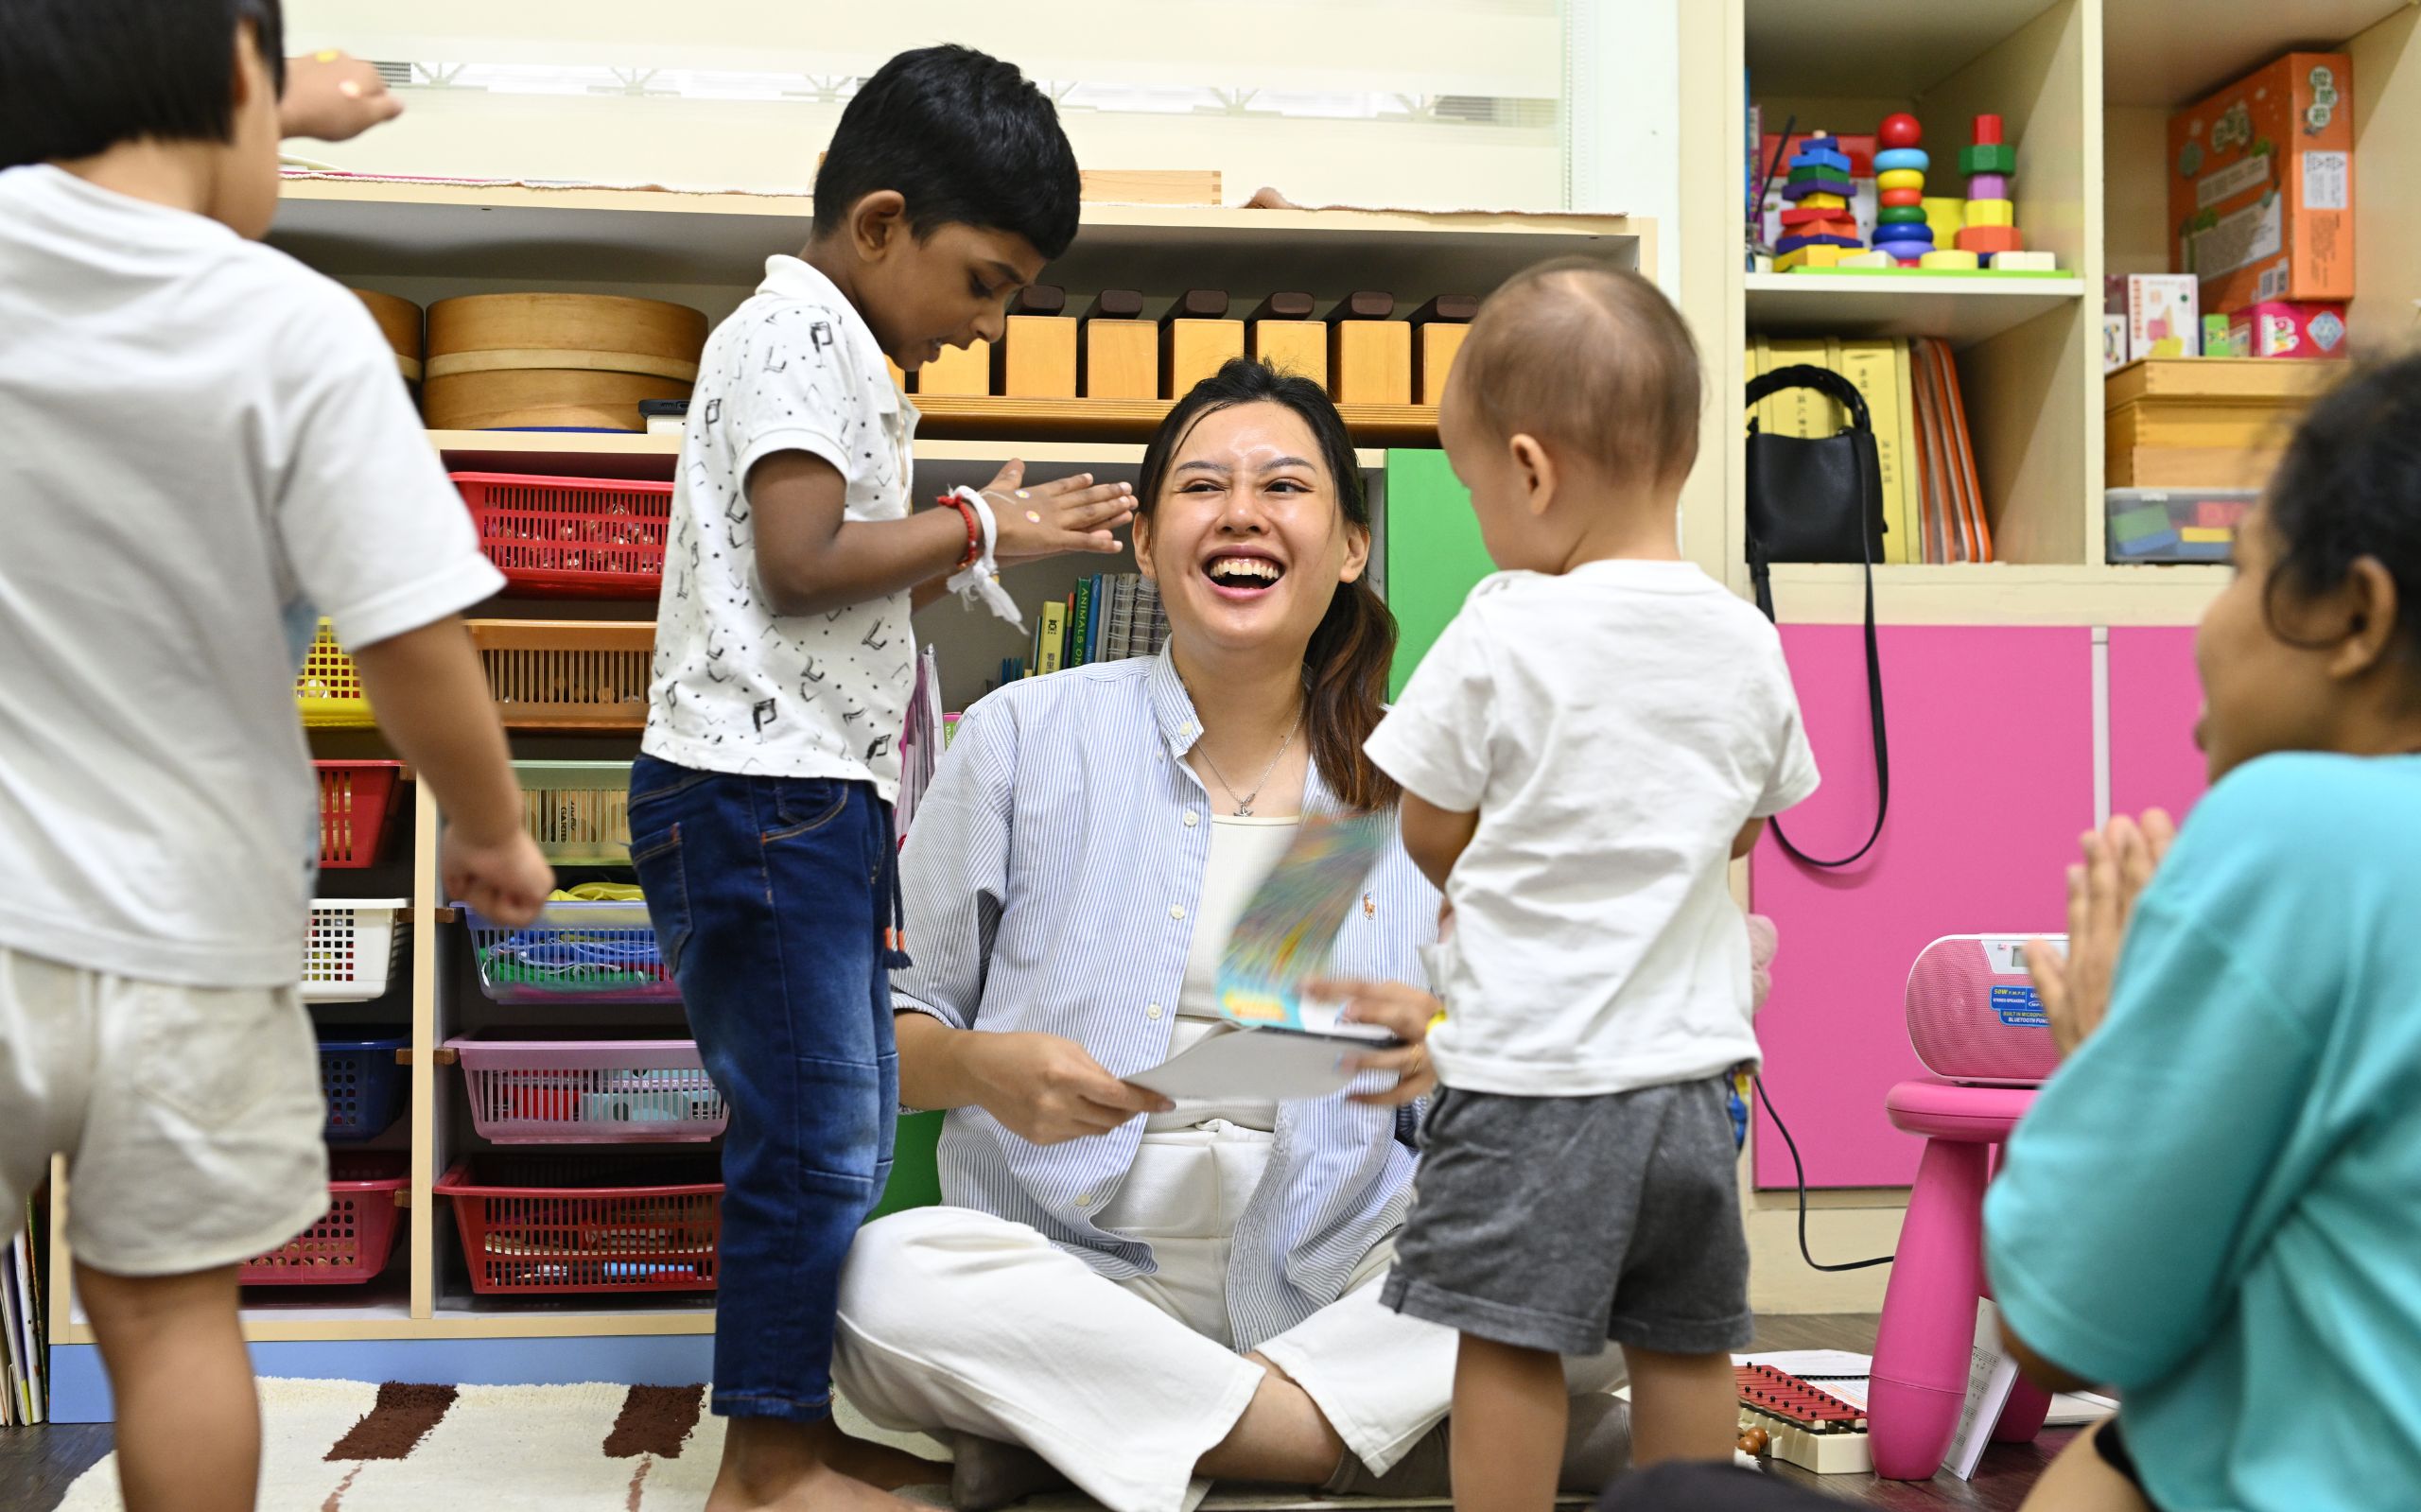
1126 1293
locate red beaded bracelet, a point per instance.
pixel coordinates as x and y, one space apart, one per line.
974 530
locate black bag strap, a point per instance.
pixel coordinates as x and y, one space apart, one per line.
1760 575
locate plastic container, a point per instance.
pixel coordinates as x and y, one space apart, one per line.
574 953
327 691
571 537
357 799
2174 524
361 1081
567 674
536 1224
578 811
351 951
530 1087
354 1241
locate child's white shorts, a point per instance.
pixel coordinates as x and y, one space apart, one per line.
191 1117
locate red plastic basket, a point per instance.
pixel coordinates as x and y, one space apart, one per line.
352 1242
553 1224
572 537
357 798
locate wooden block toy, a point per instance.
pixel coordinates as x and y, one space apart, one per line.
1899 130
1991 240
1904 233
965 370
1900 179
1282 333
1991 212
1803 1425
1807 213
1118 357
1792 244
1818 257
1988 185
1797 192
1950 258
1877 258
1370 355
1900 216
1994 157
1894 159
1438 331
1036 357
1812 156
1823 201
1798 172
1195 337
1897 198
2026 262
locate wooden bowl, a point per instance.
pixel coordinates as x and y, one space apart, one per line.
530 397
399 320
605 333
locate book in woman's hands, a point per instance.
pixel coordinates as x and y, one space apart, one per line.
1282 938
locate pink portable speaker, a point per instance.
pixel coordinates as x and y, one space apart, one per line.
1973 1012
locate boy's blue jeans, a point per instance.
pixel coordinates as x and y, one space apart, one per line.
770 898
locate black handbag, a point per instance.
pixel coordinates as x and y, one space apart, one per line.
1820 499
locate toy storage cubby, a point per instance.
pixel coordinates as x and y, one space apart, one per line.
640 1317
2030 696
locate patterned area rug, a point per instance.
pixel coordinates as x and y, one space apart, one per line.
354 1446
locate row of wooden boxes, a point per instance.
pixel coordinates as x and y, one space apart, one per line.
2188 444
588 362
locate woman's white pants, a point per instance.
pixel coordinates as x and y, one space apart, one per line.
952 1318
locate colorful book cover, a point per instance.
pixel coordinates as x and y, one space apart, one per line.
1284 936
1870 368
1080 629
1912 490
1051 639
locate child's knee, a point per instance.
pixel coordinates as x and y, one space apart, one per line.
130 1306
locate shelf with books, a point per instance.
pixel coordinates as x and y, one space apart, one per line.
1960 310
591 454
954 416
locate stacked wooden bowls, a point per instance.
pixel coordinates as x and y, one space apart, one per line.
560 361
399 321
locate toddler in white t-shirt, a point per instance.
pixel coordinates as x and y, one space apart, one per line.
1590 743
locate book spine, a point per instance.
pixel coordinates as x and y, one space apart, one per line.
1912 493
1080 636
1869 367
1051 639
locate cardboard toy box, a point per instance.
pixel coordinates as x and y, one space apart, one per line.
2261 186
2286 328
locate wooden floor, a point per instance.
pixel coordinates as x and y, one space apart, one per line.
37 1465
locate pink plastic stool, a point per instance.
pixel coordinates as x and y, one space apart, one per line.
1925 1343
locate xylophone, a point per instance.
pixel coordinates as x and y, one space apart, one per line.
1785 1416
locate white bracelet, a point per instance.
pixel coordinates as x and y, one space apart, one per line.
980 577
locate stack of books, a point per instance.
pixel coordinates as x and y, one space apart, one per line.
1109 617
22 1371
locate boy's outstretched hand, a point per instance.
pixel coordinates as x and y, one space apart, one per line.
1071 513
507 880
2118 864
333 97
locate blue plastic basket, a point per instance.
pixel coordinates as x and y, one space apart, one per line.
363 1084
574 953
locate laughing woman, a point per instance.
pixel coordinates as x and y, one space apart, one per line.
1123 1292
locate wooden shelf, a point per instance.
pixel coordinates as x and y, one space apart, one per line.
950 416
1871 49
500 233
1999 593
1961 311
2175 52
573 454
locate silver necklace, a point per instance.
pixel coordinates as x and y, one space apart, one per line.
1244 803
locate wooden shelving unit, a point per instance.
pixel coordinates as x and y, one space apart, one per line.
428 240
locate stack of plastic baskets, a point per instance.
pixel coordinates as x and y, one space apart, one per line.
571 537
607 1223
352 1242
361 1081
351 949
578 811
357 799
532 1086
328 688
574 953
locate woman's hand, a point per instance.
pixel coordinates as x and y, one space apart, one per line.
333 97
1401 1010
2119 866
1066 514
1046 1089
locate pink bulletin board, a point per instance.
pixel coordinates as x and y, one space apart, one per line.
2156 697
1992 781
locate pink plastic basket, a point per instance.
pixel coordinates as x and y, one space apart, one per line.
572 537
352 1242
530 1087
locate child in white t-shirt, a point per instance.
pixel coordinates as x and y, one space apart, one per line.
1583 752
207 449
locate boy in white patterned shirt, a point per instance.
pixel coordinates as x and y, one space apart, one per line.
1585 750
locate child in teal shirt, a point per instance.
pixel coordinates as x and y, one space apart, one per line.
2215 1206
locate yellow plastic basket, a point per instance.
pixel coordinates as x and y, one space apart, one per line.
329 689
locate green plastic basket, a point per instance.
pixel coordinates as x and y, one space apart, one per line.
578 811
915 1166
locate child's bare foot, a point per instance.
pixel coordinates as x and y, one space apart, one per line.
773 1466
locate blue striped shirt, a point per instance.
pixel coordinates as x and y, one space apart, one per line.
1052 879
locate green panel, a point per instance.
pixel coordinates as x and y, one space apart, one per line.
915 1166
1434 554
